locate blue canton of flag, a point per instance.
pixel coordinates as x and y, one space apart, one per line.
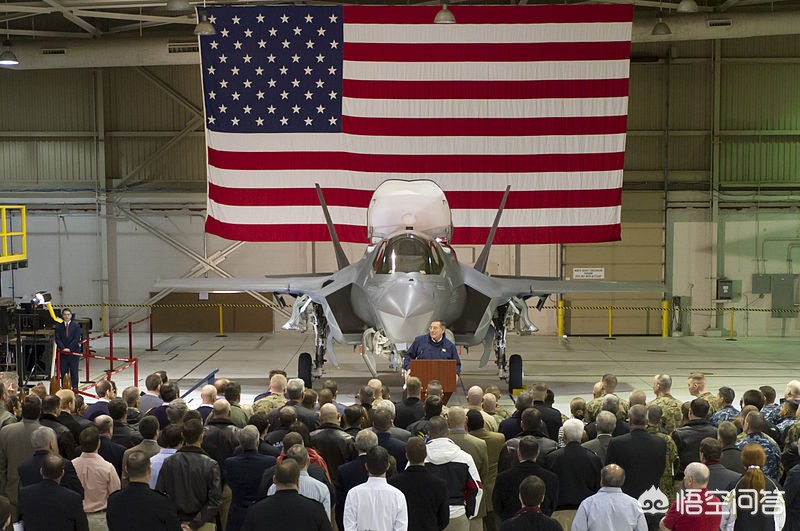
274 71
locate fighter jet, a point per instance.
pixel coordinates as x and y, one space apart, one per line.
408 276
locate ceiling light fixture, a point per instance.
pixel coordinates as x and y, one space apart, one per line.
444 16
688 6
661 28
178 5
204 27
8 58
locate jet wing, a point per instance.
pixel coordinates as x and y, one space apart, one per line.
529 287
292 285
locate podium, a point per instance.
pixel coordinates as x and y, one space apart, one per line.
442 370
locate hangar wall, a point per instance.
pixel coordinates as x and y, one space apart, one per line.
111 164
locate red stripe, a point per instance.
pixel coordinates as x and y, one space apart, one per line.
523 199
480 90
553 14
461 236
313 160
488 52
590 125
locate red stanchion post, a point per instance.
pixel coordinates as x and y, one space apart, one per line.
150 324
130 340
58 365
135 372
86 357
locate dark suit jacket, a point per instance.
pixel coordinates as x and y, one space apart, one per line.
511 427
408 411
505 497
125 435
599 445
68 338
287 509
732 459
643 456
95 410
243 474
160 412
426 498
687 438
30 473
395 447
306 416
48 506
73 425
620 429
137 507
578 471
791 495
551 418
720 478
350 475
531 521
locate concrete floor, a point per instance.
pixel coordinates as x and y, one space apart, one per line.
569 367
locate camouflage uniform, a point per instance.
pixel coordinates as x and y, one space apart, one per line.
772 413
269 403
594 407
713 403
671 415
773 466
728 413
784 424
667 484
792 435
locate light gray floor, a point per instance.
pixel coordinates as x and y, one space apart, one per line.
569 367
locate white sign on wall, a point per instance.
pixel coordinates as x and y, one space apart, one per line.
588 273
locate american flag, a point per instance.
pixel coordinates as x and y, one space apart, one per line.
534 97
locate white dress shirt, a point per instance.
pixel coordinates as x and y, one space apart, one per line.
375 505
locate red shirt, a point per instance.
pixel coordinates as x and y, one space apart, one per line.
695 510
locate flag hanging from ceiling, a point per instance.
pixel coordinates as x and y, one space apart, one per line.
535 97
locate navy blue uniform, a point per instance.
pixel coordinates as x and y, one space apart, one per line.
425 348
68 336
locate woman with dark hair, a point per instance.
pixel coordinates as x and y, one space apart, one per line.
756 502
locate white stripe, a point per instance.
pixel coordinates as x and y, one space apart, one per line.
486 71
302 215
416 145
281 179
476 33
535 108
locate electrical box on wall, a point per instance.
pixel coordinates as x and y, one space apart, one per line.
783 296
724 289
762 284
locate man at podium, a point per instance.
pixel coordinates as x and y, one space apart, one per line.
432 346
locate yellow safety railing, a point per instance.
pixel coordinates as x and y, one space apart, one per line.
7 255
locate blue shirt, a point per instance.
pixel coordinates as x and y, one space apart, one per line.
609 510
425 348
728 413
772 467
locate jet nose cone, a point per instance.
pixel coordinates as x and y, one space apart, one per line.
405 309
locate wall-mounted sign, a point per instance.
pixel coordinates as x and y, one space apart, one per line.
588 273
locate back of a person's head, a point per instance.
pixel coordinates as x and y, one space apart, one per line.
531 491
292 439
381 420
612 476
637 416
699 408
577 407
353 415
53 466
416 451
433 406
173 436
31 407
538 391
528 448
287 473
475 420
654 415
385 405
610 403
43 438
260 420
606 422
699 474
753 397
663 381
67 398
192 431
456 418
176 410
221 409
413 386
104 423
294 389
727 395
233 392
531 419
365 440
332 386
287 416
324 396
524 401
137 464
573 430
366 395
328 414
377 461
299 453
169 391
278 382
153 382
753 459
637 396
102 388
769 393
148 427
117 409
248 437
131 396
437 427
609 382
309 398
51 404
755 422
434 388
302 430
89 438
710 449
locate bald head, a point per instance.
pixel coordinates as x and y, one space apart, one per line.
105 425
597 390
697 474
456 418
328 414
222 409
474 396
612 476
208 394
637 398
